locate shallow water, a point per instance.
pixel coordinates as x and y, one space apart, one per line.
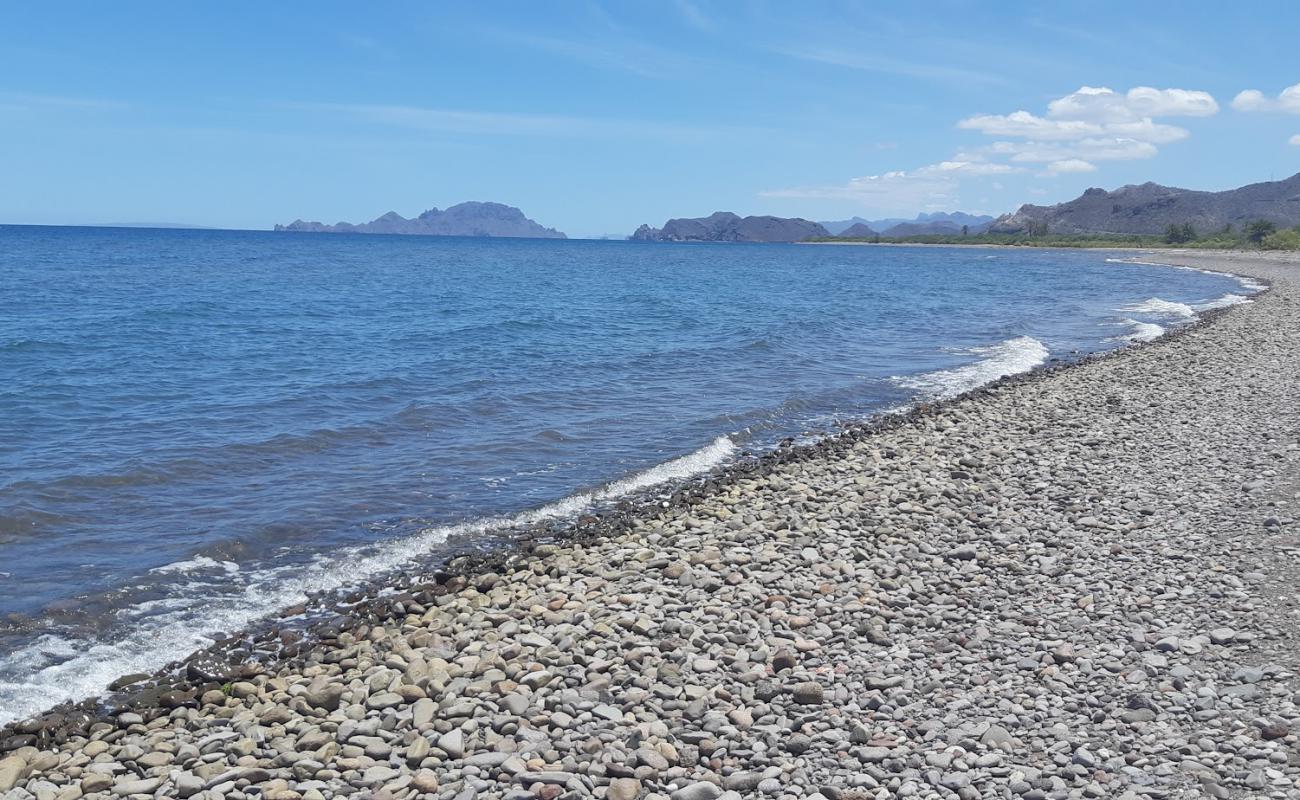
198 427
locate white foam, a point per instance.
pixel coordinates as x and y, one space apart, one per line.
1249 284
59 669
1140 331
1222 302
1161 308
196 564
1011 357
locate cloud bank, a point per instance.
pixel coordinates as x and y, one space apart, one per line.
1077 130
1287 101
930 187
1092 124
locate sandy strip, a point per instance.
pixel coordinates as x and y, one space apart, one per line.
1076 585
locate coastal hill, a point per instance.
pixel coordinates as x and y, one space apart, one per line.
723 226
858 230
939 222
465 219
1151 208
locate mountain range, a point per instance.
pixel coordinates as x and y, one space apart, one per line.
1148 208
465 219
724 226
1151 208
937 223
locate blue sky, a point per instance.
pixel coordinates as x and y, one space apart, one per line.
595 117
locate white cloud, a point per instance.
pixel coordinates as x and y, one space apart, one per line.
933 186
1086 126
1144 130
1295 140
1068 166
1092 124
965 168
1288 100
1105 105
1024 124
1250 100
898 188
1099 148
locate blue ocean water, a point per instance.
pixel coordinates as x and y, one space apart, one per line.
197 427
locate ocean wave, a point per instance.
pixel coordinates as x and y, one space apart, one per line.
1161 308
1010 357
58 668
196 564
1249 284
1171 312
1222 302
1140 331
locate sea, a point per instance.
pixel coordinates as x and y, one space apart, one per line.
199 428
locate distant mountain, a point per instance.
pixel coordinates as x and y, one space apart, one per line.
465 219
941 228
724 226
837 227
1151 208
857 230
938 222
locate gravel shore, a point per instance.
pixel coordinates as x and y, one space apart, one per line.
1077 585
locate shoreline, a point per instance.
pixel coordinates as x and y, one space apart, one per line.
630 524
480 543
281 636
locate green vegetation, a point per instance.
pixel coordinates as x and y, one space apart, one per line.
1282 240
1014 239
1180 234
1259 230
1260 234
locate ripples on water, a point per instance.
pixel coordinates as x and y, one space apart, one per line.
197 427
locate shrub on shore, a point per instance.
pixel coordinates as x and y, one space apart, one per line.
1281 240
1180 234
1253 234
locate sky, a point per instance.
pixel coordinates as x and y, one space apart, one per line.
596 117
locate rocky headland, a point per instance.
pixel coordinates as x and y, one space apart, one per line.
858 231
1150 208
1078 583
724 226
463 219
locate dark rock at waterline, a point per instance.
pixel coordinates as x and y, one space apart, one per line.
209 668
16 741
128 680
177 699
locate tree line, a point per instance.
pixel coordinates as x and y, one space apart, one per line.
1261 233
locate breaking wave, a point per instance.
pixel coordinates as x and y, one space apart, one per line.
1010 357
57 668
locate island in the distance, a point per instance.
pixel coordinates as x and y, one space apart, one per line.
464 219
723 226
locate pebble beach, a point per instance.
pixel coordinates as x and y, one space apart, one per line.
1078 583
